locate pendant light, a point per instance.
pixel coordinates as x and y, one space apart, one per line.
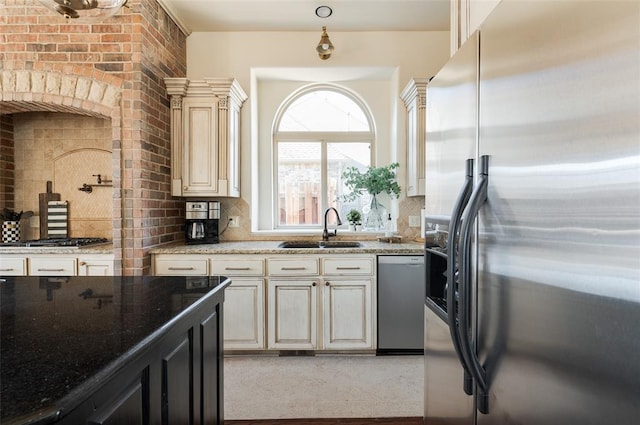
90 9
325 48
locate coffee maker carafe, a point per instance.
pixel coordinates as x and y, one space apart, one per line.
202 218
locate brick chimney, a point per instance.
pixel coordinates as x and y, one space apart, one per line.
113 70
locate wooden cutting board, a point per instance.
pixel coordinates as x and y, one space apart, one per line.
43 205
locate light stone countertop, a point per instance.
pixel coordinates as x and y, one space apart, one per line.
271 247
106 248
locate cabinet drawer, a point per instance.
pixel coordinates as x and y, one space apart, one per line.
237 266
293 266
347 266
181 267
13 266
52 266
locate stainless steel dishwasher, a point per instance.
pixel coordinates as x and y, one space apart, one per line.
401 291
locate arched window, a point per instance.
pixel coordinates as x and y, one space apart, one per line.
319 131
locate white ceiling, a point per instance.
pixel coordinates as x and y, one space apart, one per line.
299 15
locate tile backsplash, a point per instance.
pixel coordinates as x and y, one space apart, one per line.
66 149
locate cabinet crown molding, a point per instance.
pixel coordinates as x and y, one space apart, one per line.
218 87
414 88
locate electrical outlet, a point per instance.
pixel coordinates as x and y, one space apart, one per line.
414 221
234 221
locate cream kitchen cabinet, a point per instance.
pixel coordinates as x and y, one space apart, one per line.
11 265
95 265
348 300
180 265
205 136
326 307
288 301
244 327
56 265
52 266
414 97
292 307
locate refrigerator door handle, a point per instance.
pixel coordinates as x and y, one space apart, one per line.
452 251
478 198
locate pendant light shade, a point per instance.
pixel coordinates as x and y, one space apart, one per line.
90 9
325 48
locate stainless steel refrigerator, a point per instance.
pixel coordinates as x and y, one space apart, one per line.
532 312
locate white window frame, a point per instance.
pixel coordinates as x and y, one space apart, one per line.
316 136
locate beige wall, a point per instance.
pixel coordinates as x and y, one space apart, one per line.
363 60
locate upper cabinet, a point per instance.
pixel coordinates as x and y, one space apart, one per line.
466 17
205 136
414 97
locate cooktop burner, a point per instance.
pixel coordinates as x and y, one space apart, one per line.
62 242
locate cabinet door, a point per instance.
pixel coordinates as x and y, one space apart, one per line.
348 266
347 318
244 315
292 314
414 96
94 267
52 266
200 150
233 163
224 265
293 266
176 265
16 266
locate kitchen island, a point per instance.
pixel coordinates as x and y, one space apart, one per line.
104 350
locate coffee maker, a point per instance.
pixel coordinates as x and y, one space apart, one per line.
202 222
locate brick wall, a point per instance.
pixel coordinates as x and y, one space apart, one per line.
7 168
115 70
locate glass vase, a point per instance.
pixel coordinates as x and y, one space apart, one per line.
375 216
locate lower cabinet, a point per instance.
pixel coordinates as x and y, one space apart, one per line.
329 307
95 266
56 265
244 314
290 302
292 314
333 314
347 320
244 327
13 265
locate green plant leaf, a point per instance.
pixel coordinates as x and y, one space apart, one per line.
375 180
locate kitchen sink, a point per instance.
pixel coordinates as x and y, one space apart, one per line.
319 244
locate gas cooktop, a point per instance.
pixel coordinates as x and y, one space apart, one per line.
61 242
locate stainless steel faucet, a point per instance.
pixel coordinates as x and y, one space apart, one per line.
325 232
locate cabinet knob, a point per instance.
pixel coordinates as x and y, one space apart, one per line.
326 283
313 284
83 263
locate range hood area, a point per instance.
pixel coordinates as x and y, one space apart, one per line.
60 152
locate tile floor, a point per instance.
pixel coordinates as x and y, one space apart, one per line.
325 386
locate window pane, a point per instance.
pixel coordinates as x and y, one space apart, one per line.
341 156
299 183
324 110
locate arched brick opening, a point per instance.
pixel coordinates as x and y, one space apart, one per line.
76 91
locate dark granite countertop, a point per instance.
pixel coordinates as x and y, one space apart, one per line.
59 333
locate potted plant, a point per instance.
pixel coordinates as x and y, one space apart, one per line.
354 218
374 181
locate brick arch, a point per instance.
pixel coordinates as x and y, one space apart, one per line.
46 90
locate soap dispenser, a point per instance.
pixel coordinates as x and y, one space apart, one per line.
388 227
